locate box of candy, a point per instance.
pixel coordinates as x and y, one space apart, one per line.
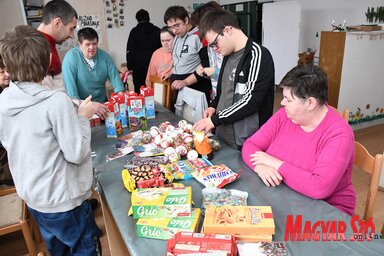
242 220
166 228
161 202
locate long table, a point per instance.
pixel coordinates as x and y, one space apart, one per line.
284 202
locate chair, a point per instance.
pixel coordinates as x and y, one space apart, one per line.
162 91
344 114
13 217
371 165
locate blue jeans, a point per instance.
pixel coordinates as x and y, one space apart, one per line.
70 233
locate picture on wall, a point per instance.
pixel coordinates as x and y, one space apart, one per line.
114 13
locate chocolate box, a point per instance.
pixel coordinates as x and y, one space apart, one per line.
166 228
161 202
239 220
201 244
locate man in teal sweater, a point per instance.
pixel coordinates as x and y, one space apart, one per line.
86 69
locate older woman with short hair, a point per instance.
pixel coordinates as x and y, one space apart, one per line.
306 144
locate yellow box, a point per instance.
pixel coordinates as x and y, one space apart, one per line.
161 202
166 228
239 220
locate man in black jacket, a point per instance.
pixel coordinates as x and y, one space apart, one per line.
245 89
143 40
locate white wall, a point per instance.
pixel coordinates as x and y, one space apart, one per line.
317 16
8 21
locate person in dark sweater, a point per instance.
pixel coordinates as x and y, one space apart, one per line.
143 40
245 88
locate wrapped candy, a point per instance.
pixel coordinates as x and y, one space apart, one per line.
154 131
179 130
181 150
173 157
163 126
166 142
178 140
169 129
187 137
147 137
192 155
158 139
188 128
182 124
215 144
169 151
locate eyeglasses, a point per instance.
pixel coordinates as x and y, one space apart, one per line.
214 43
176 26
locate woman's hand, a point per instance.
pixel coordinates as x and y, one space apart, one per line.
262 158
269 175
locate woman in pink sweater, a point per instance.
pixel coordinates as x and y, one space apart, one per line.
161 62
306 144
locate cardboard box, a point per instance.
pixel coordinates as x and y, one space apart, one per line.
239 220
161 202
201 244
166 228
136 113
120 101
149 98
112 124
254 238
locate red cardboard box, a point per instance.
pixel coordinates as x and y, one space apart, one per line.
185 242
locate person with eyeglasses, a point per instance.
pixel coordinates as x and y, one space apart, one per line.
188 52
245 89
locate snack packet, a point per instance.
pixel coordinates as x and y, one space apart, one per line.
182 170
223 197
215 176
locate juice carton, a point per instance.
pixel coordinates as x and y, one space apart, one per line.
161 202
148 94
120 100
128 94
110 122
136 113
166 228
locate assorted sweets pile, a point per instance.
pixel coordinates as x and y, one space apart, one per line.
166 153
